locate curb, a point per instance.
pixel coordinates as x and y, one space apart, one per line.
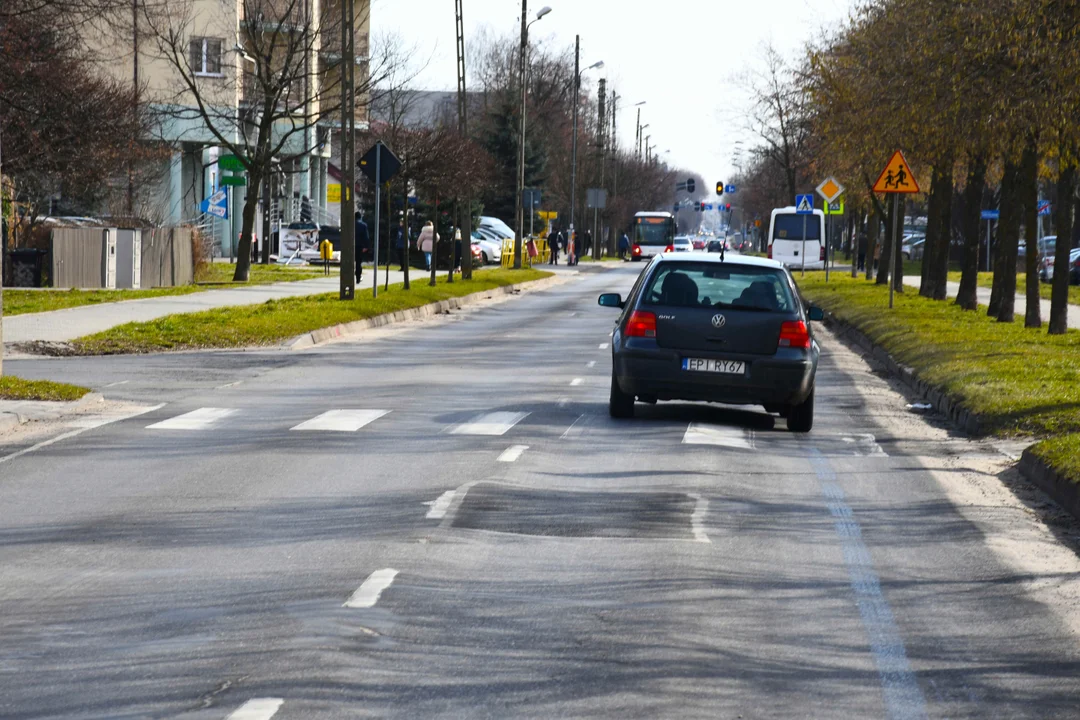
1050 481
344 331
9 420
958 415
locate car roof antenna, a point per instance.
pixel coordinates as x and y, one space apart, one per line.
723 249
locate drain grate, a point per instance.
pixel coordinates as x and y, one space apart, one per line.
553 513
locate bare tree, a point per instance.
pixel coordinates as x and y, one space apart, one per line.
779 117
285 70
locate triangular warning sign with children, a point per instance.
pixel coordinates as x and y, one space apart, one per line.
897 177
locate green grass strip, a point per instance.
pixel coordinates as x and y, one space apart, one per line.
1016 380
277 320
14 388
1062 453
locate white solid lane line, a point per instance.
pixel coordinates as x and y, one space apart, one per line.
368 593
342 420
576 381
603 346
496 423
512 453
722 435
122 382
200 419
257 709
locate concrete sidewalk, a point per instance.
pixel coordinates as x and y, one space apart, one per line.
1021 301
66 325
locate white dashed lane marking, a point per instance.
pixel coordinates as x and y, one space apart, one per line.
496 423
512 453
576 381
342 420
603 346
368 593
257 709
722 435
201 419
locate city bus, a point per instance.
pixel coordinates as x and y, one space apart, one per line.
654 232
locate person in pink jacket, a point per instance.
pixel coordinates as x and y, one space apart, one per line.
426 241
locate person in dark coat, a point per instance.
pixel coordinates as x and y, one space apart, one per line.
554 241
586 247
624 246
363 246
862 243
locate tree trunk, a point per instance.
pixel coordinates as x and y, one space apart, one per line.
967 297
1029 190
886 247
933 232
1063 220
1009 242
873 230
939 267
466 240
243 251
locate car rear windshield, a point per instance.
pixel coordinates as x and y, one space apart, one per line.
714 285
790 227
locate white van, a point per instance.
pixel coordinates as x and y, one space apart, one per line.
786 238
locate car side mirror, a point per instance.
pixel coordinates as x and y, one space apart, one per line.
611 300
816 314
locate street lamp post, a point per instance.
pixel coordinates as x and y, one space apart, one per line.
521 138
637 132
573 154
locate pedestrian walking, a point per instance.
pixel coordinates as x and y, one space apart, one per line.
624 245
399 244
571 248
554 242
586 246
363 246
426 241
862 244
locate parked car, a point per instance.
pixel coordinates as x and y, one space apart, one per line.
913 247
699 327
1046 268
490 248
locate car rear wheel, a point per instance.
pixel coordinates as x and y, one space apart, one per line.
800 418
620 405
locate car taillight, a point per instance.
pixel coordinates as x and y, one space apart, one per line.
641 324
770 252
794 335
636 250
823 254
669 248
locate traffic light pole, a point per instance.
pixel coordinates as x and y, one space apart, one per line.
348 153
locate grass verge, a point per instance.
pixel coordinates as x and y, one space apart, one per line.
14 388
1061 453
278 320
1014 379
22 302
986 280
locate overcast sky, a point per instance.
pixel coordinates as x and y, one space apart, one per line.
682 58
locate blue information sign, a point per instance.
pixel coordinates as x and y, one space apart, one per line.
990 214
804 204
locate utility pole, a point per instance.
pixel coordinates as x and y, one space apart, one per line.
637 133
3 252
348 152
573 155
464 215
520 214
602 127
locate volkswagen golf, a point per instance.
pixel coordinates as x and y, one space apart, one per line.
707 328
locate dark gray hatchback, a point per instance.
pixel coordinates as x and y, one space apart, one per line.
708 328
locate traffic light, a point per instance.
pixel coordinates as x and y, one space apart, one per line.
690 186
720 188
728 207
697 207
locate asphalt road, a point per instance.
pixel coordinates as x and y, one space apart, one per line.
475 538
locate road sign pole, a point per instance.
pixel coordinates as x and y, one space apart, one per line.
988 245
378 196
828 244
893 253
803 246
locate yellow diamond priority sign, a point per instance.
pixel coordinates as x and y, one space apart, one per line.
830 190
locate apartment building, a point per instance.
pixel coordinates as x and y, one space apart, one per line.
207 70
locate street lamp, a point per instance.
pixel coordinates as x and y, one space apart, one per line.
521 150
637 131
573 155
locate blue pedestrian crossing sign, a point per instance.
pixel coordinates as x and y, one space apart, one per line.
804 204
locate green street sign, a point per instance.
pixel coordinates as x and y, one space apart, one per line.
231 162
234 180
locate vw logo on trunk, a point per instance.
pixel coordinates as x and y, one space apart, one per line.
719 321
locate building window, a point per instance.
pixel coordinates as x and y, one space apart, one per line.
205 56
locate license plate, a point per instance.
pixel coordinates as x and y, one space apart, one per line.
728 367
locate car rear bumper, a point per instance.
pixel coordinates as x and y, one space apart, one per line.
772 380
